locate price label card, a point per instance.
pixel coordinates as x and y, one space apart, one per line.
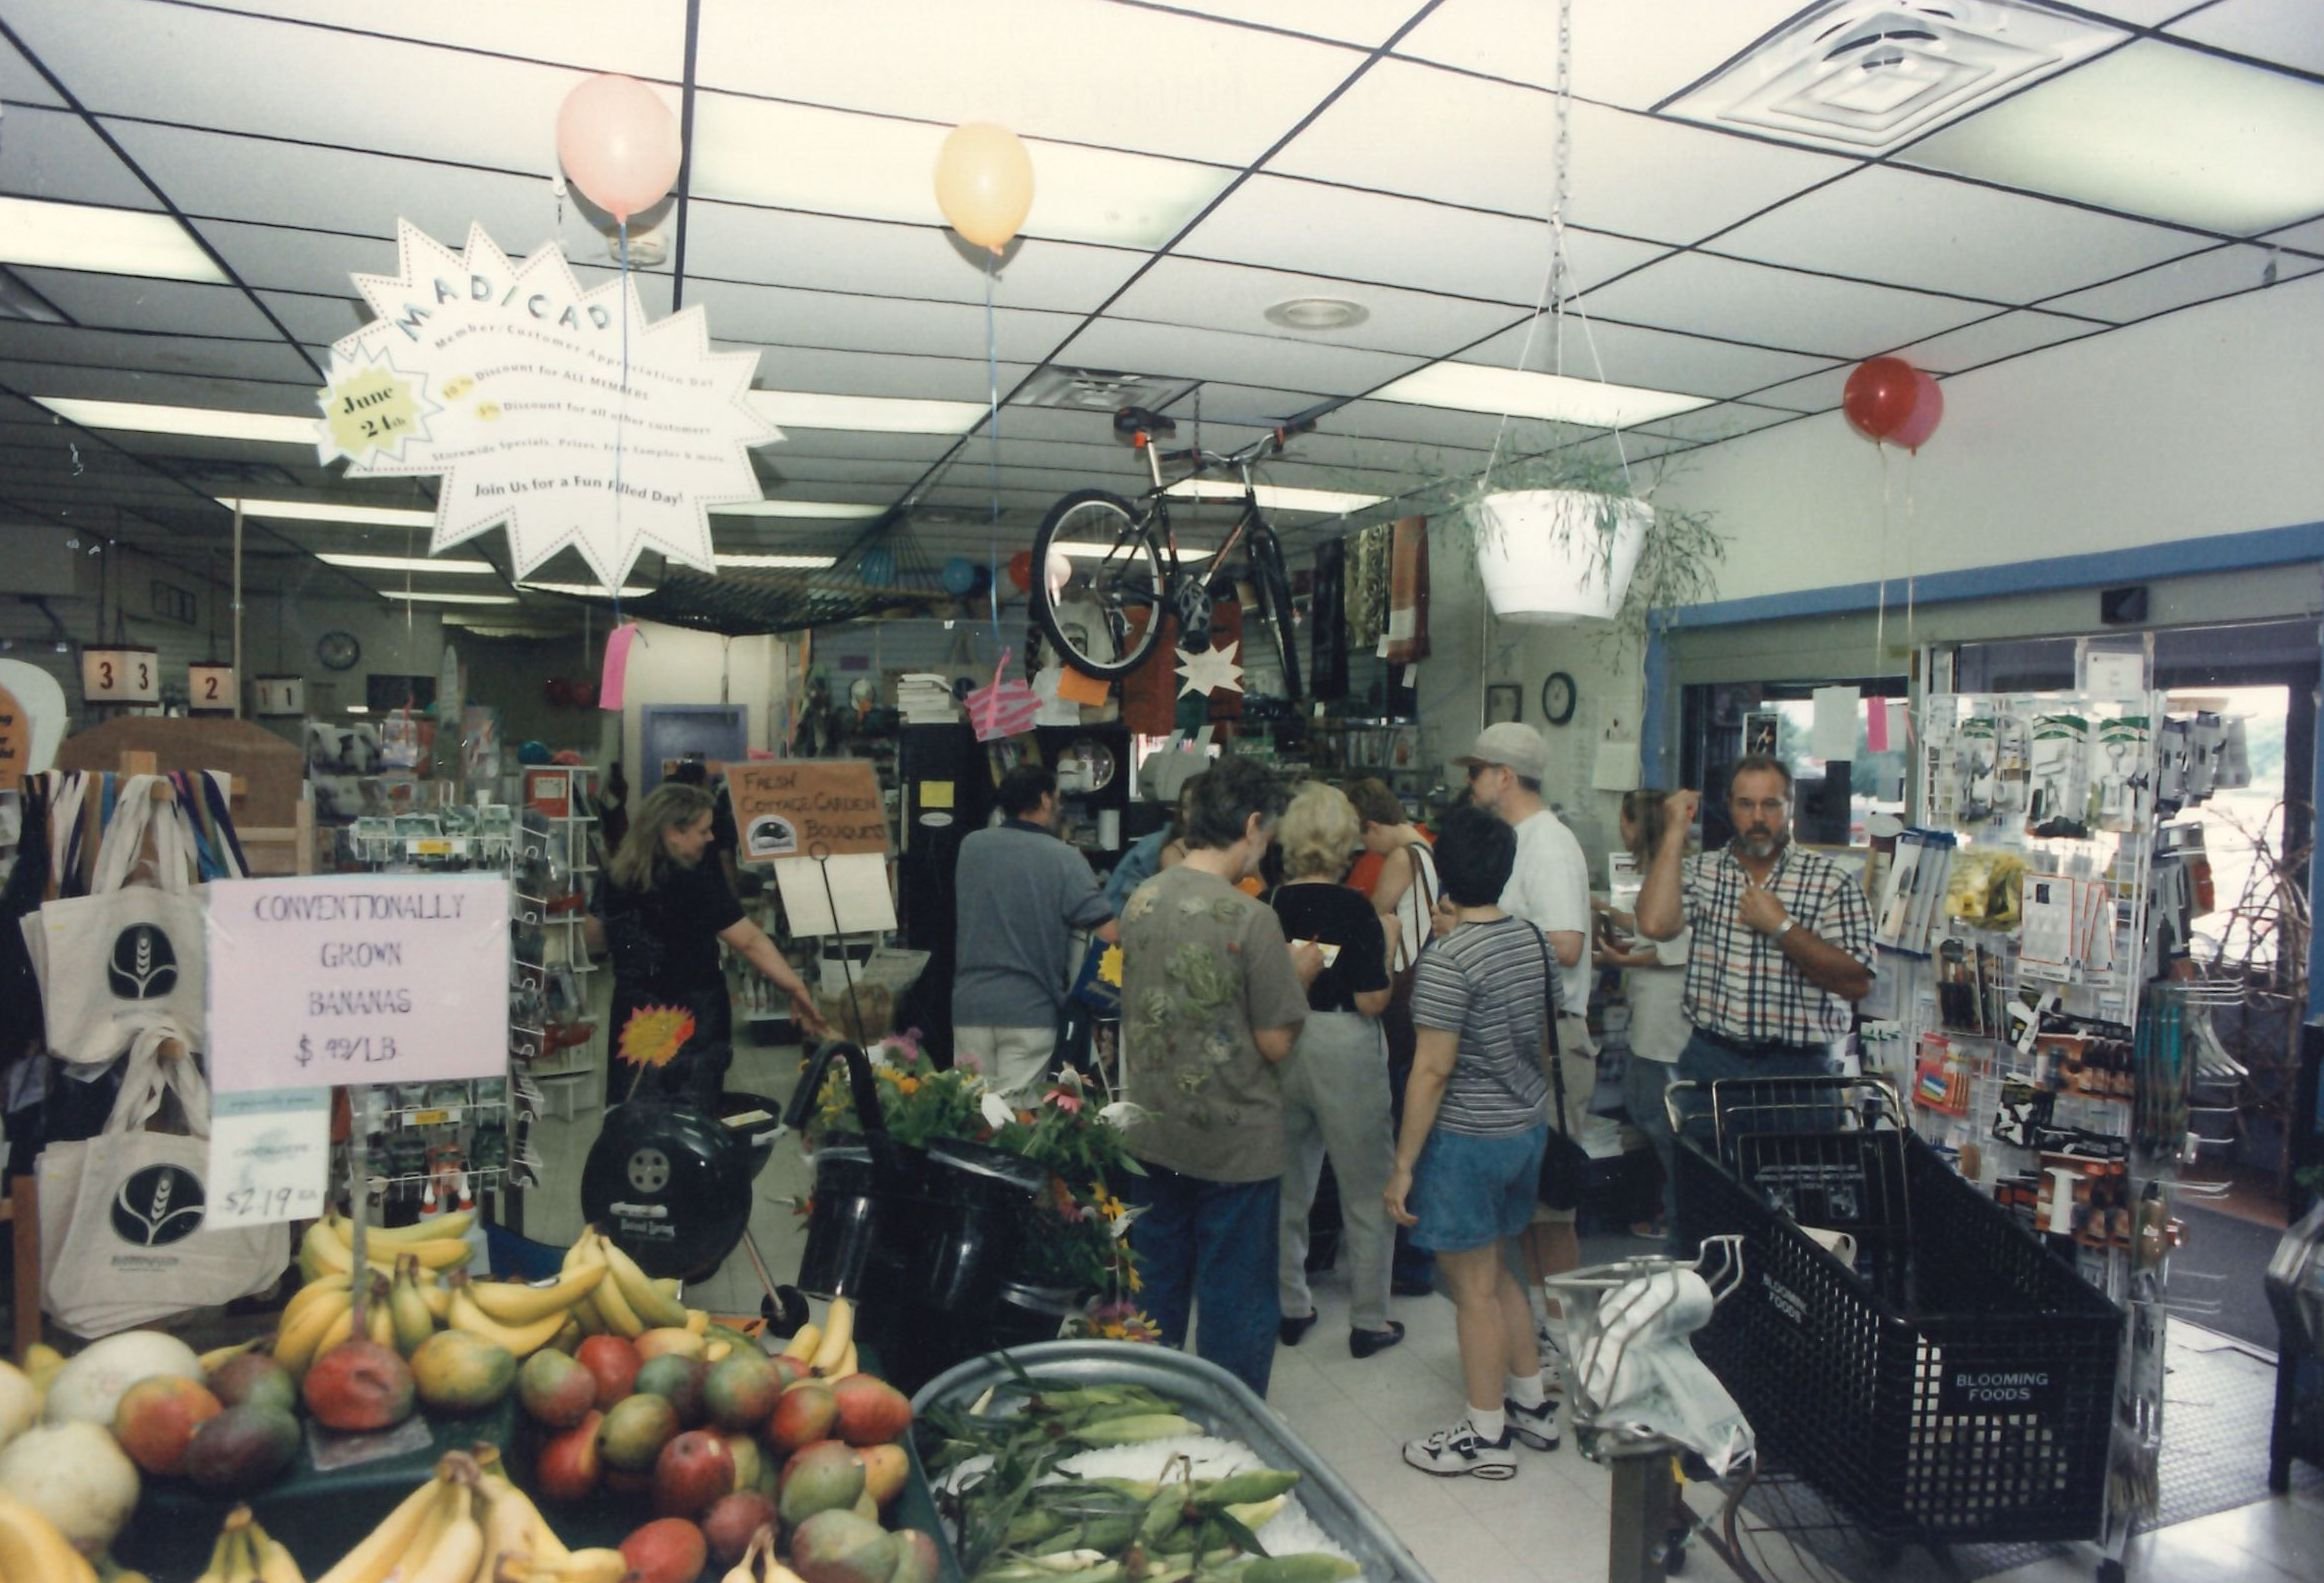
282 695
210 689
120 676
270 1157
356 978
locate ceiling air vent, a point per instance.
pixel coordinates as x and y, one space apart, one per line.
1864 76
1087 390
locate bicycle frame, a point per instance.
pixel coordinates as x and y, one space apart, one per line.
1158 498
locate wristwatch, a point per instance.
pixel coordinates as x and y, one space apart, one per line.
1785 929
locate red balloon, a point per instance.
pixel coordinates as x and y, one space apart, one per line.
1879 397
560 692
1021 570
1928 410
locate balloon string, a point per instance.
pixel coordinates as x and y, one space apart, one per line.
1880 620
992 366
1910 513
621 419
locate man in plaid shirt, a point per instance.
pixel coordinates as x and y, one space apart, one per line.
1782 943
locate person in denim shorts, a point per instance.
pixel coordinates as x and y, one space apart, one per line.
1468 1160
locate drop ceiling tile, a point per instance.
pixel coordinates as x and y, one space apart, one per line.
104 354
55 154
1635 447
317 320
2143 13
875 374
318 263
1057 69
2309 236
1907 229
1234 407
653 288
1726 421
791 474
1194 292
2003 335
21 84
1126 346
1365 23
1816 393
781 248
1616 60
785 316
131 302
1411 425
1751 302
1425 132
2218 273
1305 225
1626 354
643 38
868 444
2284 31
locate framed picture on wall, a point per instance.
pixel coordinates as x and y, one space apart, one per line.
1504 701
1759 732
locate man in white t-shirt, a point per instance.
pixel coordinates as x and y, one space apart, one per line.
1550 889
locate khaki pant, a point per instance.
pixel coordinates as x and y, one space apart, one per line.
1335 1102
1579 1059
1013 1060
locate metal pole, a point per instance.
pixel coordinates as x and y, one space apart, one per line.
238 613
357 1281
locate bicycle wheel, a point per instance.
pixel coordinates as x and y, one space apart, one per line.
1116 569
1275 596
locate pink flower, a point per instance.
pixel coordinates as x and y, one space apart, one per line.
1068 1102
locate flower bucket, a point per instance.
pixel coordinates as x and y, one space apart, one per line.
1546 555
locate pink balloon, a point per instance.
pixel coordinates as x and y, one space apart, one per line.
1928 410
619 143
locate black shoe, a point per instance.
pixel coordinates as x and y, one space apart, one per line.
1363 1343
1411 1286
1290 1330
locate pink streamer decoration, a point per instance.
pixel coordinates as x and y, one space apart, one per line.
609 685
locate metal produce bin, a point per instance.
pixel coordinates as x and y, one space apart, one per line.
1213 1398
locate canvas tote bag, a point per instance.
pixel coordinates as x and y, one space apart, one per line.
122 1235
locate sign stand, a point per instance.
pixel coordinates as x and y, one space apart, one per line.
820 856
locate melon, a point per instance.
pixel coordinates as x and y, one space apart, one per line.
89 1388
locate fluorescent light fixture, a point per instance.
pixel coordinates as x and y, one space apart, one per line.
878 168
210 422
106 241
447 599
407 563
2157 130
802 409
586 590
777 563
829 510
359 709
325 511
1561 398
1274 497
1098 552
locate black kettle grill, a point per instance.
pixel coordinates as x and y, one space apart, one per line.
670 1183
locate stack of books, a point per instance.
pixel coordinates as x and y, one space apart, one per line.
926 699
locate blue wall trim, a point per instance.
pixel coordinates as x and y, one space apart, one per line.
2225 552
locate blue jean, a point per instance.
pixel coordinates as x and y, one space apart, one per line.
1211 1245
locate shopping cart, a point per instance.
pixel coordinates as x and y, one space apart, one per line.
1897 1341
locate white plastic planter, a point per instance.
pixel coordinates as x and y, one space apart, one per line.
1549 556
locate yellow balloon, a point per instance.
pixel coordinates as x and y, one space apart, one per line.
984 183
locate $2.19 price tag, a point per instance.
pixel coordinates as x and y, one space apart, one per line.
270 1157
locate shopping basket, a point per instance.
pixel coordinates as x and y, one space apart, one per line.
1954 1382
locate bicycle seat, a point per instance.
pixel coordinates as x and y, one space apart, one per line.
1132 421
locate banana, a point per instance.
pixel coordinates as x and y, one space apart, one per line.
613 1307
585 1315
838 1329
508 1525
521 1341
300 1339
31 1547
41 1362
584 1247
523 1305
436 1250
698 1321
311 1294
378 1552
379 1313
453 1225
225 1551
458 1548
435 1291
275 1564
802 1346
536 1538
342 1328
654 1309
322 1254
218 1357
413 1322
846 1364
581 1566
668 1285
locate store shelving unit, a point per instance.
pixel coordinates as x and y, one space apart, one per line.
555 865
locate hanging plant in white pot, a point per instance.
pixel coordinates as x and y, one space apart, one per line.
1551 556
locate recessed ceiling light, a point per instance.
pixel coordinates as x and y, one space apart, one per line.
888 414
106 241
778 563
586 590
1274 497
2157 130
1473 387
448 599
833 510
408 563
1094 551
212 422
1317 313
325 511
868 165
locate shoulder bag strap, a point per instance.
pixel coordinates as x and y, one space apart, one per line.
1556 1065
218 801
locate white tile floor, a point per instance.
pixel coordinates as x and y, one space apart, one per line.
1550 1522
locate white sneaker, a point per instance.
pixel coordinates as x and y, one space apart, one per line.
1536 1426
1552 1362
1460 1450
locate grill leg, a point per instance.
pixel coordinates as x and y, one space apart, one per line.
1638 1538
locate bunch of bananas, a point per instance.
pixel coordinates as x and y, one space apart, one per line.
469 1524
246 1553
328 1248
33 1550
628 1302
827 1349
760 1564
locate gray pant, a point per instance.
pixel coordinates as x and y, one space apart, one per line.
1335 1102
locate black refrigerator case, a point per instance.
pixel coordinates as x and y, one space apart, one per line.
946 789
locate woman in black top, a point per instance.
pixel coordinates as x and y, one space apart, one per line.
1335 1085
662 909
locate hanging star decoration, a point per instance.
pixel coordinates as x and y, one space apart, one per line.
1207 670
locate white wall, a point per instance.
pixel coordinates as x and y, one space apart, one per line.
2204 422
675 665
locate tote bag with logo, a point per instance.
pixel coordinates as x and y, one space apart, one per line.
122 1215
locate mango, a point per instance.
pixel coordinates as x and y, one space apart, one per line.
740 1392
678 1380
916 1557
806 1413
242 1449
670 1341
456 1372
359 1386
254 1377
840 1547
820 1478
871 1411
886 1469
635 1430
556 1390
156 1418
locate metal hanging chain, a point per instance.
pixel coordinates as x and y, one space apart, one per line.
1551 298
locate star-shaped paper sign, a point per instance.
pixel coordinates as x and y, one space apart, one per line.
654 1035
1002 708
556 412
1207 670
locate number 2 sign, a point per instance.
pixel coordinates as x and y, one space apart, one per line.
120 676
210 689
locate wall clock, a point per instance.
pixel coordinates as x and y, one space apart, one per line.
1557 698
338 650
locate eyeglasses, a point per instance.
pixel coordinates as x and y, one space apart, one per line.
1476 770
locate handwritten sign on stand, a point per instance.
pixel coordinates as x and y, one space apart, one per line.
356 978
794 807
270 1157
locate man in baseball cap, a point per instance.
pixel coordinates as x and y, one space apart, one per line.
1550 889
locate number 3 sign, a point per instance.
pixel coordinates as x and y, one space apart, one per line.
210 689
120 676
